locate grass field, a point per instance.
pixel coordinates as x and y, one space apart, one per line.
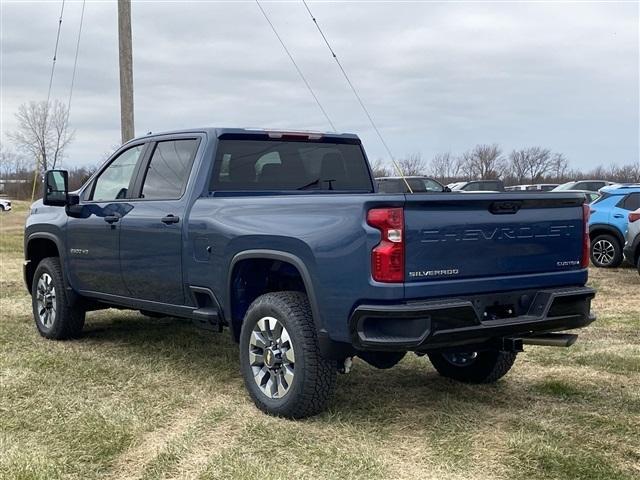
155 399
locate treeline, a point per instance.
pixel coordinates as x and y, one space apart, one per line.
488 162
526 166
18 184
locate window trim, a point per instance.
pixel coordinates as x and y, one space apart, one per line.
90 189
141 174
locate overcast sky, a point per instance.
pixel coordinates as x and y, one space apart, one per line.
436 76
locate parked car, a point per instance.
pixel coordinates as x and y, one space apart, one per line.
479 186
589 195
418 185
516 188
591 185
281 238
608 223
544 187
632 243
5 205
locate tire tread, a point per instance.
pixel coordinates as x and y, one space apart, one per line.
320 373
69 319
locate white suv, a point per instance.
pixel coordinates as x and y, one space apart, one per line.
5 205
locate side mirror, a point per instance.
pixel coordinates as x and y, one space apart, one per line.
56 188
446 189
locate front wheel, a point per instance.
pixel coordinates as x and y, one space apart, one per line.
473 367
280 359
55 318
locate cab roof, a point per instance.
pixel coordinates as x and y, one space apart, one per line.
259 133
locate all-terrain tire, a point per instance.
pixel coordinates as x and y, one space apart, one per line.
606 251
487 367
68 320
314 376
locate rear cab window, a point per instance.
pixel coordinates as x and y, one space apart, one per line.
250 165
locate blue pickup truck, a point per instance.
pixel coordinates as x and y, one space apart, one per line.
282 238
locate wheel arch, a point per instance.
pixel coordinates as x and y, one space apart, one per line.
267 255
37 247
604 229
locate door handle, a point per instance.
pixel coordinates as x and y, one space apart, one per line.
618 215
169 219
111 218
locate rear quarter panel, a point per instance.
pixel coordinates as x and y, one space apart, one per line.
327 232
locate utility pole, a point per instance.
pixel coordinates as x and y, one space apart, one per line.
126 70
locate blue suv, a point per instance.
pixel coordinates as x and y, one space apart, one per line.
608 223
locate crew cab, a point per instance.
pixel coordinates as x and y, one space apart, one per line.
282 238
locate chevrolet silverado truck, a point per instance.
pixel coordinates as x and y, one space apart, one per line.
282 238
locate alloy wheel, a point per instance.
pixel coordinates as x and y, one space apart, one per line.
604 252
272 357
461 359
46 300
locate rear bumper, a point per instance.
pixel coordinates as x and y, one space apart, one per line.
448 323
630 250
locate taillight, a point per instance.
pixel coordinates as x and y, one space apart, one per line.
387 258
634 216
585 239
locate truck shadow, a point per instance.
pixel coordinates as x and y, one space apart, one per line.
405 393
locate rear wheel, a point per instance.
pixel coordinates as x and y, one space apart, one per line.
55 318
280 358
606 251
473 367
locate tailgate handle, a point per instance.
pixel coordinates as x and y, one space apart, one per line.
505 207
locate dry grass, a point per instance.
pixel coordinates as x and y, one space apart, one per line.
156 399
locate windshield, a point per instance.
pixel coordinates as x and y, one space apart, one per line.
289 165
566 186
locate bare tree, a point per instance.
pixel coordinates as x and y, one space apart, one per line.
11 162
559 167
531 164
483 162
379 169
43 132
445 167
412 164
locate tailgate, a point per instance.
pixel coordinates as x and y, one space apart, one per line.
457 236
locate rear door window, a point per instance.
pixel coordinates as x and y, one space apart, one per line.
169 168
289 165
630 202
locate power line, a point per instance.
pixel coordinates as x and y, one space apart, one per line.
296 66
53 68
75 61
55 53
355 92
